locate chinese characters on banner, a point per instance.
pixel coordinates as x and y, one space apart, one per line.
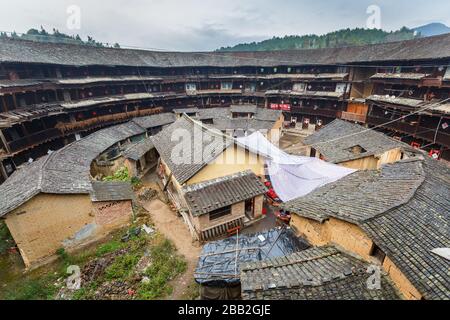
281 106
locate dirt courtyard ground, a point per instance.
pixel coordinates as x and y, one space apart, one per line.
173 227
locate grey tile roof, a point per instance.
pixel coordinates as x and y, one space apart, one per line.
322 273
66 171
12 50
407 102
208 196
264 114
404 209
363 194
155 120
404 76
137 150
307 94
336 151
187 146
213 113
243 108
408 233
111 191
185 110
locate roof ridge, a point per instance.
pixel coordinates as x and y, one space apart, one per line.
410 194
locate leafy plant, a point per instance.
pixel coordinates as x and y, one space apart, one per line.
120 175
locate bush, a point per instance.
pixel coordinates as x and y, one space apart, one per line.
120 175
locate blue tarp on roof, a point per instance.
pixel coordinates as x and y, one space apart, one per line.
217 263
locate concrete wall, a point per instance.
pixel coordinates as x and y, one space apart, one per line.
49 222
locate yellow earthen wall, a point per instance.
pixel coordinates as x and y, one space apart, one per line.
40 226
401 282
47 223
204 223
231 161
352 239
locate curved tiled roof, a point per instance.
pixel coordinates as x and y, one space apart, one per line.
322 273
195 144
408 233
21 51
336 151
363 194
405 210
67 171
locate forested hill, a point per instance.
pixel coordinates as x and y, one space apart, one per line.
341 38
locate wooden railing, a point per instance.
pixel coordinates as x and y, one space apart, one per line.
34 139
431 82
104 120
316 112
62 129
428 134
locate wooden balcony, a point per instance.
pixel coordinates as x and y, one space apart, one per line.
316 112
416 131
431 82
99 121
33 140
212 91
350 116
62 129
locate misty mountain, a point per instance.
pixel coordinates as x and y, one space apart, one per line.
432 29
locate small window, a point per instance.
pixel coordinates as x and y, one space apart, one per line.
219 213
377 253
357 149
208 121
226 86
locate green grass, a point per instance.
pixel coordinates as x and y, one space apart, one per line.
6 240
122 267
42 288
166 265
109 247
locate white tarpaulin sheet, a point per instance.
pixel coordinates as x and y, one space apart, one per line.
293 176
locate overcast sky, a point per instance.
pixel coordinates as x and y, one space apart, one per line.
187 25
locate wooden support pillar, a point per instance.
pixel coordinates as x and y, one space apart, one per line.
14 101
5 143
5 104
3 171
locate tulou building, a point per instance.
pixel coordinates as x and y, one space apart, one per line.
374 183
52 94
